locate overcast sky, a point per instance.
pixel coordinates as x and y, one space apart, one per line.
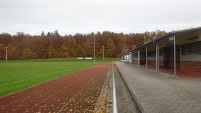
86 16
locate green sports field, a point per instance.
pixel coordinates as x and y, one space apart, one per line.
20 74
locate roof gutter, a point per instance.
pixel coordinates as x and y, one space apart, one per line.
155 40
167 35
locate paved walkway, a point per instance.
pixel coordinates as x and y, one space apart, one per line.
160 93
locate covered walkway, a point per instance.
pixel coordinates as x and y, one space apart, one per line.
179 51
161 93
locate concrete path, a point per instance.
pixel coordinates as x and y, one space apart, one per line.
160 93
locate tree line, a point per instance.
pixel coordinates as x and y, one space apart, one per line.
53 45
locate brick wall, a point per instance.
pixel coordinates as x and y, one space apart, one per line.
161 63
135 62
150 63
142 62
193 67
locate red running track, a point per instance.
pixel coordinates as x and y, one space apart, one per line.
76 92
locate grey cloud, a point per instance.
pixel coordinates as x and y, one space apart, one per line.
85 16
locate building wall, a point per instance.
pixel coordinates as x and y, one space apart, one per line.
152 63
161 63
190 63
191 57
142 62
142 58
193 67
135 61
154 58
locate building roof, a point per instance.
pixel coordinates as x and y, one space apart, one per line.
167 35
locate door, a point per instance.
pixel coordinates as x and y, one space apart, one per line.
169 57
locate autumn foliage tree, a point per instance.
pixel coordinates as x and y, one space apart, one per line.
53 45
110 49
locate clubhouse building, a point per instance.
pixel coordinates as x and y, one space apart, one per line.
176 51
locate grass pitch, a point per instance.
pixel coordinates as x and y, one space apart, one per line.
20 74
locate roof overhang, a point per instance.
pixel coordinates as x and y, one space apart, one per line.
166 36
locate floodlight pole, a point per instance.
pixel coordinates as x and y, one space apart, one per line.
146 56
6 53
103 52
94 49
175 63
138 58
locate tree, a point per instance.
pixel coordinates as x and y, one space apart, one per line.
42 34
99 45
12 52
64 51
2 51
51 52
53 45
86 49
5 39
28 54
123 45
72 47
110 51
49 34
56 33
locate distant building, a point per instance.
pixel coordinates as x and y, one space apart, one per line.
178 50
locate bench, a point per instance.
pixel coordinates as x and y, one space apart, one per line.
88 58
80 58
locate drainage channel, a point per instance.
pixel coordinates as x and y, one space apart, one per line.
124 98
114 99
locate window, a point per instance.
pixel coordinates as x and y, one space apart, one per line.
194 48
151 54
160 52
185 49
199 47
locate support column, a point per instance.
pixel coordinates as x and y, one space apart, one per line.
139 58
175 65
156 58
134 58
146 57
